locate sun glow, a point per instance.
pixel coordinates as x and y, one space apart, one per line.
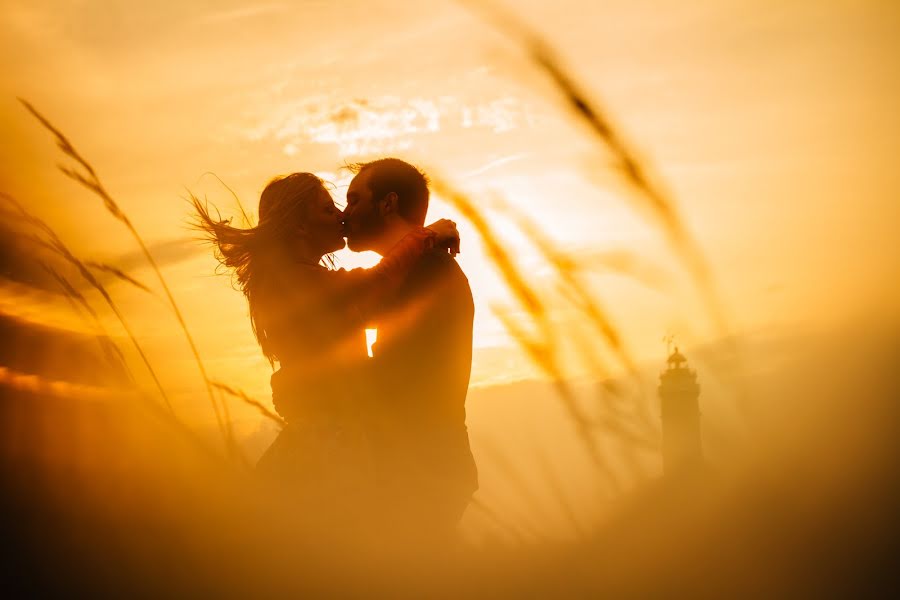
371 338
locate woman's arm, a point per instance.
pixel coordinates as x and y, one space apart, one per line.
358 293
367 289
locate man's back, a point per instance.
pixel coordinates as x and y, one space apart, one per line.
422 364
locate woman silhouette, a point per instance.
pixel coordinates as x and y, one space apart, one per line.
310 320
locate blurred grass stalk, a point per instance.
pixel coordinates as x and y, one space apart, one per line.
573 286
242 396
56 245
91 182
646 187
541 344
539 340
636 173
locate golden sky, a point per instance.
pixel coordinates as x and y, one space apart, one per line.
773 124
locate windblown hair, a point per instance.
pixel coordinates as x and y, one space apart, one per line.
394 175
252 253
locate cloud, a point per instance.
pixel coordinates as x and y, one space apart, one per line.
387 123
35 308
166 252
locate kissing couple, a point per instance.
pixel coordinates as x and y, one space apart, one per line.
374 442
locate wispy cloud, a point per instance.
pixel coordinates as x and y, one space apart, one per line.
38 307
166 253
387 123
496 163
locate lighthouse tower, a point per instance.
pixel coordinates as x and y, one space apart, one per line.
678 393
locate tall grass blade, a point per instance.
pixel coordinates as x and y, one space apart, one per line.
118 273
241 395
56 244
92 182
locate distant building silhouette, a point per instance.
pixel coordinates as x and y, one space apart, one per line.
678 394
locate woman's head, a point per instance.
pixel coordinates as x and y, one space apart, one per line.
298 222
298 216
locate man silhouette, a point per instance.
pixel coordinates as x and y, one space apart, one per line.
422 360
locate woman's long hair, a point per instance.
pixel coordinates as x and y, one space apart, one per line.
251 253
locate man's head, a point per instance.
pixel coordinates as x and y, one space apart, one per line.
386 197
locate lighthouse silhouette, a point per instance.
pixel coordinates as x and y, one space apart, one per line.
678 393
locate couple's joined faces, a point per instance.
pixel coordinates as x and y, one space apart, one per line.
324 224
362 221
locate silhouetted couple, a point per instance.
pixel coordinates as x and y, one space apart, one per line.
376 442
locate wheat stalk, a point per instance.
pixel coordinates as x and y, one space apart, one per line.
635 172
542 347
92 182
240 395
119 274
56 244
